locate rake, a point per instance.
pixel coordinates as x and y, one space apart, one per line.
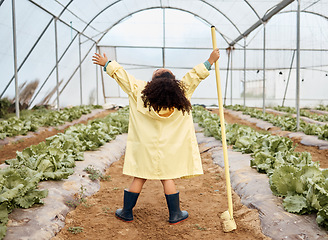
227 216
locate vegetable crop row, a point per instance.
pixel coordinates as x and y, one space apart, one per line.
53 159
304 113
41 118
322 107
292 175
286 122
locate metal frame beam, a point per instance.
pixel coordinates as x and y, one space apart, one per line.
53 69
97 92
244 102
70 78
231 71
206 48
227 77
276 10
290 70
33 47
57 70
145 66
233 24
309 12
27 56
15 57
102 77
264 66
80 68
161 6
298 53
65 23
250 5
265 18
151 8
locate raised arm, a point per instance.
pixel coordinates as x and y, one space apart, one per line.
126 81
192 79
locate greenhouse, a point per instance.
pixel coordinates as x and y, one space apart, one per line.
59 106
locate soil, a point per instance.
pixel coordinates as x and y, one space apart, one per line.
204 197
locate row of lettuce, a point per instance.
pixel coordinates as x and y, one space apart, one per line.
285 122
292 175
31 120
304 113
53 159
322 107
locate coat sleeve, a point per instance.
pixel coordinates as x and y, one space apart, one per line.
193 78
127 82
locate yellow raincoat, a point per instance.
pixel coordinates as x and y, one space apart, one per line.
160 145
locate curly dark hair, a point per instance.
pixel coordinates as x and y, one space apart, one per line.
164 91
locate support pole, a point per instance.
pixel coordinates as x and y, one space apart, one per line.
15 58
227 77
231 79
76 69
33 47
264 50
53 69
80 68
97 93
102 78
26 57
290 70
163 49
71 23
244 71
298 65
163 57
57 74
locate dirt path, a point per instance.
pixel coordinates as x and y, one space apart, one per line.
204 197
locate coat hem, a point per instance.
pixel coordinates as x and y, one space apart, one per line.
164 178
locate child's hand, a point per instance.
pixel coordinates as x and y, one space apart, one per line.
215 55
100 60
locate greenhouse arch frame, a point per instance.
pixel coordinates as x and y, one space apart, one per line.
91 29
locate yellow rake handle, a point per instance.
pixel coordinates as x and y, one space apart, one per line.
224 141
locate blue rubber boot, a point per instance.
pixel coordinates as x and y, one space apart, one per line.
130 200
173 204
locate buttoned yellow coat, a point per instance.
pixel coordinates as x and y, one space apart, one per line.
160 145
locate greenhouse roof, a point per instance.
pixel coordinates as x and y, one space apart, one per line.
234 18
75 29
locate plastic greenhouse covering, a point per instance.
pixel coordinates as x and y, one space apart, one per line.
51 42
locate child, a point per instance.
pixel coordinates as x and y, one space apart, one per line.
161 140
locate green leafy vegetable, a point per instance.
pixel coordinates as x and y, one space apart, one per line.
286 122
292 175
34 119
53 159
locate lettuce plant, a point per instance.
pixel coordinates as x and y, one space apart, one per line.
292 175
53 159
